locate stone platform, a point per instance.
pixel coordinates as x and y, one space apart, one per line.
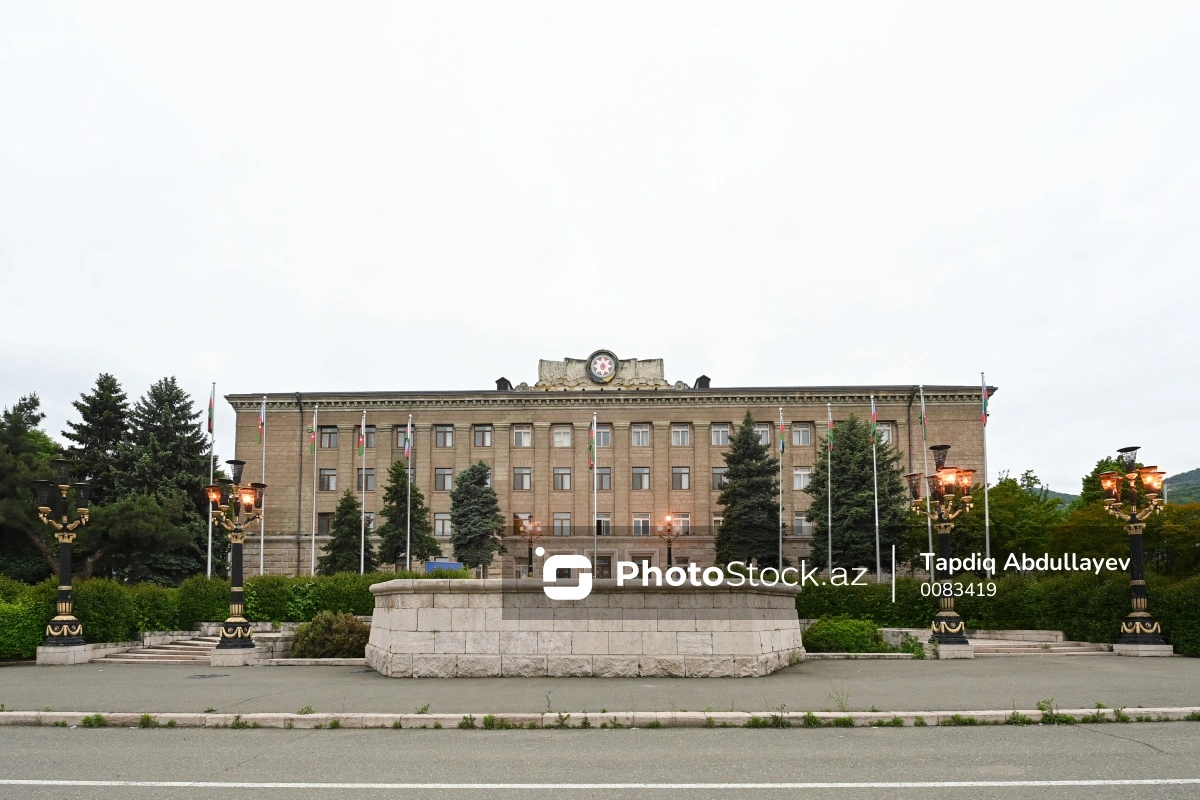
492 628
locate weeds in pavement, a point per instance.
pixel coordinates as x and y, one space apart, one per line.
810 720
843 722
305 710
894 722
959 719
918 722
147 721
95 721
1051 715
423 709
467 722
334 724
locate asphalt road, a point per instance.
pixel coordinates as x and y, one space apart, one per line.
993 762
979 684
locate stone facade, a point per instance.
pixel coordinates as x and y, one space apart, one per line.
494 627
655 427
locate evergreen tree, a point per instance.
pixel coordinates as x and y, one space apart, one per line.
750 501
475 517
1022 516
27 547
98 436
343 549
1092 494
854 498
395 530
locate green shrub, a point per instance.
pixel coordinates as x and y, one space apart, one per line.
106 611
202 600
267 598
844 635
22 629
1177 607
155 608
345 592
331 636
11 591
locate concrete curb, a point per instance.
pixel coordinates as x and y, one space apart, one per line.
619 719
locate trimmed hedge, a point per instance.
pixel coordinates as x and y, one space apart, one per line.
844 635
106 610
331 635
1084 607
21 629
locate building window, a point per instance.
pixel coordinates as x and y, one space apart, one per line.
604 479
763 430
443 436
522 479
483 435
369 475
443 479
603 567
329 437
802 525
604 436
801 434
883 433
641 561
681 435
641 524
323 523
720 475
327 480
720 434
369 439
562 479
561 435
441 524
640 434
641 479
681 477
716 523
603 525
562 523
369 518
682 561
684 523
522 436
801 476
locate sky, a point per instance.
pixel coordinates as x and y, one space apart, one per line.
285 197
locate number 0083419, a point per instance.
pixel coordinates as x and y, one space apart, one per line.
950 589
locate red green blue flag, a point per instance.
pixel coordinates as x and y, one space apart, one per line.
312 435
408 439
362 435
984 396
262 419
830 410
781 435
212 398
874 420
592 444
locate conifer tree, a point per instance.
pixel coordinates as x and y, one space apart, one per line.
750 500
854 498
98 436
394 532
27 547
475 517
345 539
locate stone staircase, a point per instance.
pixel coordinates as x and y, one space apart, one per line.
196 650
1001 647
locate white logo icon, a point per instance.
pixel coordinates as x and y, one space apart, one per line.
567 561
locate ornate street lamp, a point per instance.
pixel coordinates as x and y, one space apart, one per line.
235 506
950 495
64 630
529 531
669 531
1121 500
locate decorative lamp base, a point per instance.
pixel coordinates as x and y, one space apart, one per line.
235 635
948 628
1141 628
64 631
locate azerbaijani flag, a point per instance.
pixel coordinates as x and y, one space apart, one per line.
592 444
781 430
984 395
830 410
262 419
408 439
874 419
312 435
212 398
362 435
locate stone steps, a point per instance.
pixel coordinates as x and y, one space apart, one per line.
984 647
197 650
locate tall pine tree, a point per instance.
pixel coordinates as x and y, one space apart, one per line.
394 532
345 539
750 500
475 517
98 436
854 499
27 547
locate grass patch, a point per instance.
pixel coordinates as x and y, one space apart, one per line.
239 723
95 721
843 722
959 719
147 721
423 709
493 723
467 722
894 722
810 720
305 710
1017 718
1193 716
334 724
919 722
1051 715
60 724
654 723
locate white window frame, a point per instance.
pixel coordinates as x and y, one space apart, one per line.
601 473
367 474
685 479
681 434
801 478
605 520
561 523
636 474
641 525
639 430
684 521
801 524
604 435
724 473
443 436
720 434
801 434
717 520
441 524
522 436
561 435
884 433
486 431
763 429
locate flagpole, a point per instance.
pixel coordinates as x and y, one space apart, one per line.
987 516
312 567
262 517
829 491
595 493
212 437
362 493
875 480
408 502
925 456
781 487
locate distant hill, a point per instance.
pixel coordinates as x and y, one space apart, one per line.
1067 499
1184 487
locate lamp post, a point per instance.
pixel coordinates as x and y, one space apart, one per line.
234 507
1140 627
64 630
529 531
946 506
669 531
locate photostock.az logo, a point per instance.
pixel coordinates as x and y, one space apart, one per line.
550 570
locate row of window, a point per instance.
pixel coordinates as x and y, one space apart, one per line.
561 435
443 479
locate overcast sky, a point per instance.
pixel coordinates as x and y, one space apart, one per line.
294 197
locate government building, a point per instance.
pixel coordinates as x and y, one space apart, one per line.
659 451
